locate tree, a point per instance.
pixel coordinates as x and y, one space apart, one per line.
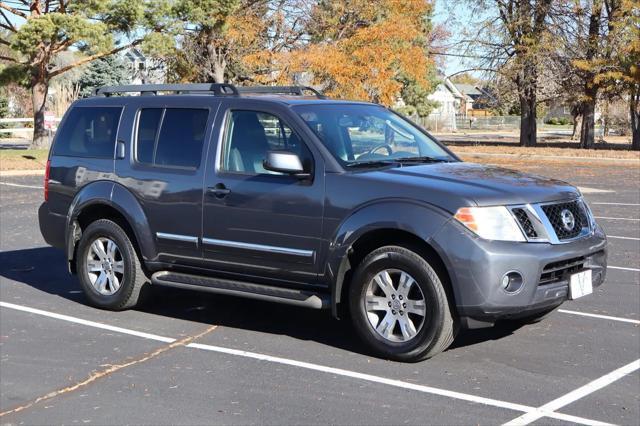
106 71
365 50
599 38
206 48
238 42
512 39
54 26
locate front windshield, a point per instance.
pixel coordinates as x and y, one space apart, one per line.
359 134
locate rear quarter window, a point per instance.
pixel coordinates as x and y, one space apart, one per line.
88 132
171 137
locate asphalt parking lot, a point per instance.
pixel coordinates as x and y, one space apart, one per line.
194 358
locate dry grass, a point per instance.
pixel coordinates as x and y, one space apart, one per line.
14 159
522 152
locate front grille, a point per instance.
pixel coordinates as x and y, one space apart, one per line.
525 223
554 214
560 271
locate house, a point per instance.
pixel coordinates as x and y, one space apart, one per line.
449 100
144 70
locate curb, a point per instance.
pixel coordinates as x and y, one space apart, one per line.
39 172
630 161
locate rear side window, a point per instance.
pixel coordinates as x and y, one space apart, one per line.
89 132
171 137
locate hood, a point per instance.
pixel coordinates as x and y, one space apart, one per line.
480 184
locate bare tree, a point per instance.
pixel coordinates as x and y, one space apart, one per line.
512 38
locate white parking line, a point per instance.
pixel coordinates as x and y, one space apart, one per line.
587 190
20 185
87 323
622 268
615 204
623 238
315 367
617 218
607 317
577 394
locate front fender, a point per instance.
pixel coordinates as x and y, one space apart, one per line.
420 219
120 199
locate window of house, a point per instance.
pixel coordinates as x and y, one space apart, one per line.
89 132
171 137
251 134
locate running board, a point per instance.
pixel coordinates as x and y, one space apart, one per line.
242 289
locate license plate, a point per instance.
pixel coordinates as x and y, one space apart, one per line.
580 284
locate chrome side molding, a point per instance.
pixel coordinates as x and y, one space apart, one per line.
258 247
177 237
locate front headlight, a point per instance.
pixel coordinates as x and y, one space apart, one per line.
491 223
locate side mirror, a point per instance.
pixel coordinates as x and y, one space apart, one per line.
285 162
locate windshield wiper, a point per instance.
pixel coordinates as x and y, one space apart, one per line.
422 159
372 163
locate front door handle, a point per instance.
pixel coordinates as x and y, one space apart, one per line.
219 191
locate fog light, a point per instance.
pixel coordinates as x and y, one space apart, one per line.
512 282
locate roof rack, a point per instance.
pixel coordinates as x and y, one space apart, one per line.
218 89
280 90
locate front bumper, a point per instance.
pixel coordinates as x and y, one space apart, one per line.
476 268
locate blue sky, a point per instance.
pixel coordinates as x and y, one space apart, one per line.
453 16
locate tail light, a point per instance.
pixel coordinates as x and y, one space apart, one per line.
46 181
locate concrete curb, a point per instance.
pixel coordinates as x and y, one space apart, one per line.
39 172
627 161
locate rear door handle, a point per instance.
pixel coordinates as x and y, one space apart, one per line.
218 191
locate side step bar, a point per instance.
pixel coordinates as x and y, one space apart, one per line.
288 296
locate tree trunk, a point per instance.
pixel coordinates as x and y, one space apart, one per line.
634 110
218 72
528 125
587 135
576 121
39 90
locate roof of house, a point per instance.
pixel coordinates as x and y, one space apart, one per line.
468 89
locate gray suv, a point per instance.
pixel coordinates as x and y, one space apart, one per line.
279 194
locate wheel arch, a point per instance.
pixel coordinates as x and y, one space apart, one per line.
375 227
109 200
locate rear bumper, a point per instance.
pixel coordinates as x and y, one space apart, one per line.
52 226
476 268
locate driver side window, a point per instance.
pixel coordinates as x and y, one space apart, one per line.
249 135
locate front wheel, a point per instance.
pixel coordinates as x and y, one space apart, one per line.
108 267
399 306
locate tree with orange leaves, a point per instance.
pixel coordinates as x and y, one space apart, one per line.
360 49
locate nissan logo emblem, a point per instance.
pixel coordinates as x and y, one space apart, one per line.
568 220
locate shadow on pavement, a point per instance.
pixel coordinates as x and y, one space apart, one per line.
44 268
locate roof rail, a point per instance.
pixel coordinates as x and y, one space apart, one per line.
281 90
218 89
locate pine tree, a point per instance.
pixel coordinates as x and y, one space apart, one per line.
106 71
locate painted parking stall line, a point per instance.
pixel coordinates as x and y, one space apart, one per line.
623 268
19 185
615 237
575 395
606 317
617 218
87 322
315 367
614 204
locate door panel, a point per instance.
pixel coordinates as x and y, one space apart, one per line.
255 223
164 169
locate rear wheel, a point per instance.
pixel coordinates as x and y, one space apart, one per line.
108 267
399 306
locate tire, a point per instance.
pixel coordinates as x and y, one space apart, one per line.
438 327
126 267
